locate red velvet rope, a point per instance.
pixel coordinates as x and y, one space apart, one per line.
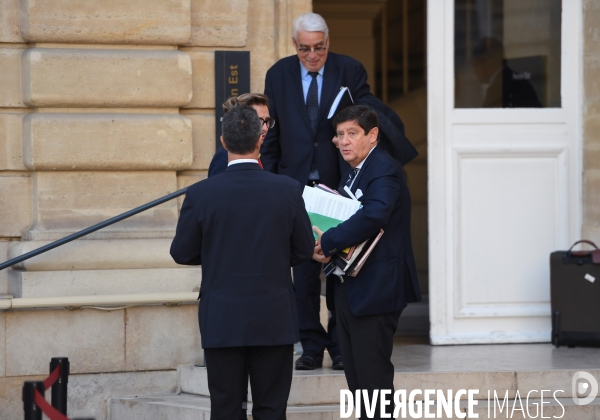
49 381
48 410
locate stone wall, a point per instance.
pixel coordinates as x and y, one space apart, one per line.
591 121
105 106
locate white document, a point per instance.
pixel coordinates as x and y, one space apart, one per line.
328 204
337 100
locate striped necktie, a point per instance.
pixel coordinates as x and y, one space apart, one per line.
351 177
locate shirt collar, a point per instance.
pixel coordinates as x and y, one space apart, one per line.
235 161
363 161
304 72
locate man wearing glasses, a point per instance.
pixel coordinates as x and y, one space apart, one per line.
260 103
301 89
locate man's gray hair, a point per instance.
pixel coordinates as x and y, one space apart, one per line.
310 22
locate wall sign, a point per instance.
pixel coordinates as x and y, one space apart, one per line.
232 78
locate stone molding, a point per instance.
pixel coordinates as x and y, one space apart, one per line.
66 202
106 78
218 23
67 142
49 284
107 21
100 254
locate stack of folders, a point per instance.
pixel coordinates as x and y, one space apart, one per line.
327 209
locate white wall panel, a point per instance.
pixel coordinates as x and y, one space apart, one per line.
507 225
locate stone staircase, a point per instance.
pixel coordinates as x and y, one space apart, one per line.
315 395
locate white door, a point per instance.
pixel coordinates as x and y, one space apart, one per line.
504 170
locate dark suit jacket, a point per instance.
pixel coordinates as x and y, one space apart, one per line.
219 162
246 227
388 280
392 138
289 146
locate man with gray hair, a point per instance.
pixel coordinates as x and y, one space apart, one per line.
246 227
301 89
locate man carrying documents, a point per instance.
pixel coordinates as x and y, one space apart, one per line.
368 302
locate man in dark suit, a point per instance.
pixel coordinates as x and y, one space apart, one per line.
368 306
301 89
260 103
246 227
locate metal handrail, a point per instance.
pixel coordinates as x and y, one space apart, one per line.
91 229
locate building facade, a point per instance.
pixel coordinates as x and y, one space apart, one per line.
108 105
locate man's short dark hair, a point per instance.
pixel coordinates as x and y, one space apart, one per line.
241 129
364 116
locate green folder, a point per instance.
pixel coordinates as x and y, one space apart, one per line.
323 222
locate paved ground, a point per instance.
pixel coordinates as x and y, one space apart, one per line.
413 354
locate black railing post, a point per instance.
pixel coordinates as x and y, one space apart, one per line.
59 389
32 411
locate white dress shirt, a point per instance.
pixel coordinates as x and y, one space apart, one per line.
233 162
307 79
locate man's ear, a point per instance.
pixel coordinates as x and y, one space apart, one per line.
223 143
260 141
374 134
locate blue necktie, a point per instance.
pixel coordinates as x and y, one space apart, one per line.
312 109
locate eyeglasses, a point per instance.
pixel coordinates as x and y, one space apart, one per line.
269 122
307 50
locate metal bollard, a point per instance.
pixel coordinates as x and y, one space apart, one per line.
59 389
32 411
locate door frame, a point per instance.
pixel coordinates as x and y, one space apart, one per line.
441 161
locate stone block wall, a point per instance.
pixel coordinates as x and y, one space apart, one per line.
105 106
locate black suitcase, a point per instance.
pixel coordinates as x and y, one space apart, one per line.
575 297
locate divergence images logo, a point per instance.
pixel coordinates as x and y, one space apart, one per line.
581 384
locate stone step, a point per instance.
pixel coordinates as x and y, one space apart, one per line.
188 407
194 407
48 284
322 386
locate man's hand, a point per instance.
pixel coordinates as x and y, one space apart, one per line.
318 252
319 233
336 141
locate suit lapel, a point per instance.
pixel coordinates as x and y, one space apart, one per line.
354 187
297 92
330 87
364 168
